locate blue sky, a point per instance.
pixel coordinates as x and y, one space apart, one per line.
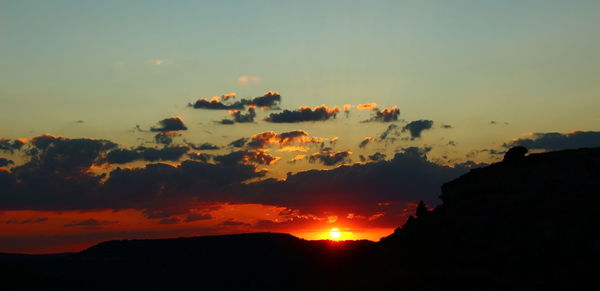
534 63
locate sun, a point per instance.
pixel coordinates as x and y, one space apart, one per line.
335 234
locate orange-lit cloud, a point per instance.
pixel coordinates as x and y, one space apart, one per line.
367 106
268 138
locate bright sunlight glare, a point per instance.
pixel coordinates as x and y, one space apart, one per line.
335 234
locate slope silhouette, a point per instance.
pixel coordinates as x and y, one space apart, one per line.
529 222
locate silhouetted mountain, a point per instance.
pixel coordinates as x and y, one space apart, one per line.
529 222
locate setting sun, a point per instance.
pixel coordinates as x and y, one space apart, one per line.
335 234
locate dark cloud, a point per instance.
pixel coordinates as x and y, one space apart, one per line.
7 145
247 156
385 115
165 138
163 190
557 141
239 117
493 151
57 154
233 222
360 188
191 217
6 162
304 113
227 122
216 104
122 156
200 157
365 142
294 137
238 143
270 100
329 158
377 157
59 176
91 222
172 153
25 221
392 129
174 123
169 220
202 147
415 128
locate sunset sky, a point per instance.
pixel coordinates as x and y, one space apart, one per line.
147 119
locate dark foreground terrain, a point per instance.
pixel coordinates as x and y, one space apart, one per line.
528 223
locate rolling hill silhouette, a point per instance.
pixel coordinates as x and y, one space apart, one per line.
529 222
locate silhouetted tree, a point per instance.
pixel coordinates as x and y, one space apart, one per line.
421 209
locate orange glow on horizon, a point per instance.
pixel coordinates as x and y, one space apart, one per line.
335 234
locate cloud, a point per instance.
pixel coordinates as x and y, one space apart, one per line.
216 104
247 80
415 128
270 100
90 222
247 156
267 138
557 141
365 142
377 157
191 217
228 96
58 177
165 138
359 188
347 108
122 156
240 117
200 157
368 106
233 222
25 221
385 114
174 123
5 162
240 142
329 158
304 113
391 129
203 146
7 145
157 62
169 220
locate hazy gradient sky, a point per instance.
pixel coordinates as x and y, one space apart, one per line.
96 69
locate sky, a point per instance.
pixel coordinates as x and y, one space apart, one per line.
146 119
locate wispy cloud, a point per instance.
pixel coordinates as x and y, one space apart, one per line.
248 80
